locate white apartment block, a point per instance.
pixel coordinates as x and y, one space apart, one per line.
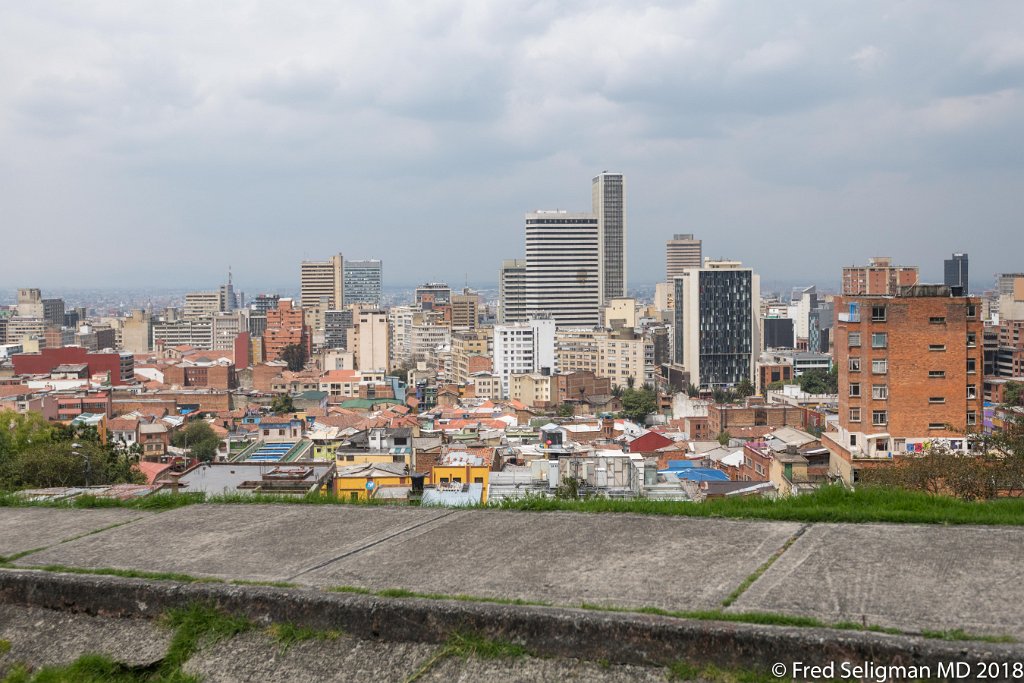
523 348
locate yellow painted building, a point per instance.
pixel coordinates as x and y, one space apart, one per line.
361 482
461 474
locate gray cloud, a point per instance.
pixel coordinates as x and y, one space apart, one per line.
796 135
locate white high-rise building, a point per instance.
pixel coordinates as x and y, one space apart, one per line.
563 268
717 334
523 347
323 284
512 291
682 252
609 197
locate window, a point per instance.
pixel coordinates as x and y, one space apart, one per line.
855 339
880 366
899 444
936 425
880 392
972 418
936 374
478 480
972 391
972 365
878 314
855 364
879 417
854 414
879 340
936 347
855 389
853 439
972 310
937 320
937 399
972 339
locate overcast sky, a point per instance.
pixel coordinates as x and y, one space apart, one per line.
158 142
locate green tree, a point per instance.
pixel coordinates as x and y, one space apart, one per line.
282 403
637 404
745 388
566 410
724 437
1013 394
294 355
818 381
200 440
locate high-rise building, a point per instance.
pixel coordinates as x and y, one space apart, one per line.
370 340
30 303
465 309
563 277
264 302
609 206
363 281
323 284
336 327
227 326
512 291
285 326
879 278
53 312
682 252
955 272
523 347
717 314
910 373
227 296
433 295
202 304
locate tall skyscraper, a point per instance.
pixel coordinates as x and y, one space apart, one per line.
363 280
682 252
717 315
609 196
226 294
955 271
512 291
323 284
563 268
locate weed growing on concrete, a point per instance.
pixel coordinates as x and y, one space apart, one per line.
287 634
749 581
197 625
350 589
960 634
5 646
92 668
128 574
467 645
272 584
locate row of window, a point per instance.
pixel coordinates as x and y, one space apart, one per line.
880 340
880 392
879 314
881 418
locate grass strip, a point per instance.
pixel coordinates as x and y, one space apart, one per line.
960 634
749 581
127 573
685 671
287 634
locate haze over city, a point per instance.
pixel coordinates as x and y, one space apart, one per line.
157 144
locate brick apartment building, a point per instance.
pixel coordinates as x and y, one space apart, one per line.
879 278
910 375
119 365
285 326
198 374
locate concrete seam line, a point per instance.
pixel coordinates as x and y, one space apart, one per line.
26 553
543 631
367 546
759 572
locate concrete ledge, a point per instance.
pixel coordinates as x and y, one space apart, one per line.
545 631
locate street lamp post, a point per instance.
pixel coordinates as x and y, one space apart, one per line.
88 464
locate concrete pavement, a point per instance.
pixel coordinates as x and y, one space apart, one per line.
910 577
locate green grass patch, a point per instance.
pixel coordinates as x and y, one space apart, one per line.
828 504
467 645
685 671
350 589
459 597
288 634
5 646
272 584
93 668
128 573
960 634
197 625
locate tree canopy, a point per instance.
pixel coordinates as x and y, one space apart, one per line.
282 403
818 381
295 356
200 440
637 404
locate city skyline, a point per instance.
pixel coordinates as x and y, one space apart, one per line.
895 131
